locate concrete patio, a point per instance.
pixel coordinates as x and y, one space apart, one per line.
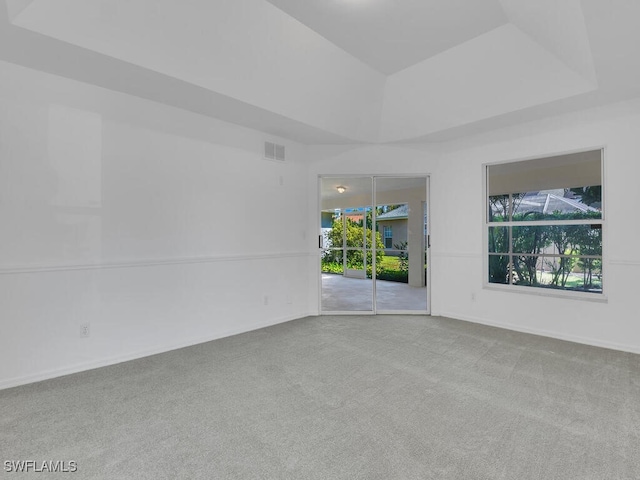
341 293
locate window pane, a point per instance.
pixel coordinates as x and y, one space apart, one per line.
590 270
528 239
498 240
332 229
568 273
558 240
528 206
498 208
528 270
355 227
559 204
356 259
499 269
575 239
332 261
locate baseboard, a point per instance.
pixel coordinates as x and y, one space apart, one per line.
544 333
82 367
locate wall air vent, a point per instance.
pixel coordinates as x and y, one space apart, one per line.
273 151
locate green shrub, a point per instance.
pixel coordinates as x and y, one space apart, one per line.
332 267
394 276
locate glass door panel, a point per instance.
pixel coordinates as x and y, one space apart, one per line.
402 242
346 220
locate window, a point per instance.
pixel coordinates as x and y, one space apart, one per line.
388 237
544 223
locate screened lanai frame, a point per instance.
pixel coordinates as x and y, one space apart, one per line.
595 223
373 201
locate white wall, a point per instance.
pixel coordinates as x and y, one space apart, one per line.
457 229
160 227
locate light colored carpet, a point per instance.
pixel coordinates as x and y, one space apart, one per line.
387 397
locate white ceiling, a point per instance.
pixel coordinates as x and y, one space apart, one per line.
341 71
391 35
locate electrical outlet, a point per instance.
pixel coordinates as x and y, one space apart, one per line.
265 300
473 297
85 330
289 300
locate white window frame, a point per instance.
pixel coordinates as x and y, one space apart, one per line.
541 291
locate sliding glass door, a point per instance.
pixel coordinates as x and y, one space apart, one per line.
374 244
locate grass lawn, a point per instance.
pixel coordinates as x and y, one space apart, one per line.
390 263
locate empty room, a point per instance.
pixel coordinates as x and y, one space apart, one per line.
319 239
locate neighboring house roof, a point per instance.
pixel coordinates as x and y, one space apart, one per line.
399 213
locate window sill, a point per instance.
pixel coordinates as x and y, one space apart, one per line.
543 292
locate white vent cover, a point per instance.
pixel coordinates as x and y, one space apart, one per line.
273 151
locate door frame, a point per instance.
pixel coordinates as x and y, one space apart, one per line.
374 310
